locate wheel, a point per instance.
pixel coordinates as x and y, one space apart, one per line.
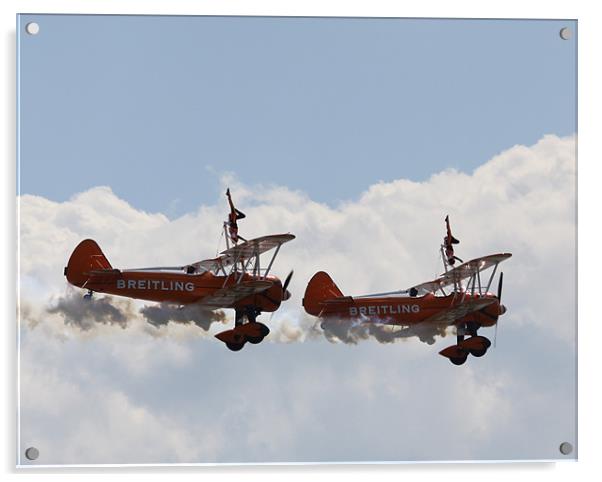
255 339
265 331
478 353
458 360
235 346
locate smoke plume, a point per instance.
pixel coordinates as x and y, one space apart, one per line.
295 327
158 315
85 313
352 332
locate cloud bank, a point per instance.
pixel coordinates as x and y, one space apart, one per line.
521 201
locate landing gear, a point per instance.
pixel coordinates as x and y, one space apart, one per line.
471 328
252 331
239 318
235 346
474 345
456 354
478 353
252 313
234 339
477 345
257 332
459 360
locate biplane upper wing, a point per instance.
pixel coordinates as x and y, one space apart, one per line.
245 250
462 272
226 297
454 313
256 246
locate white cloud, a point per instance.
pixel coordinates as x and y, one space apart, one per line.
521 201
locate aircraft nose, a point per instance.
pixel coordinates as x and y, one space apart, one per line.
502 309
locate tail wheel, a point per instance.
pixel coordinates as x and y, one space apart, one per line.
235 346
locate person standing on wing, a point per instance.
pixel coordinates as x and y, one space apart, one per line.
448 243
234 216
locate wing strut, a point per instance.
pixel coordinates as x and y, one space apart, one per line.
267 271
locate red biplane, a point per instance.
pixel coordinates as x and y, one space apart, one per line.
458 297
235 279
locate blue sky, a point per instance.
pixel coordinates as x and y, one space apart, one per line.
159 108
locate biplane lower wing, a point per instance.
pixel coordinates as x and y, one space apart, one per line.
227 297
450 315
462 272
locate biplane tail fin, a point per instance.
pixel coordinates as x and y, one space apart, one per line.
86 257
320 287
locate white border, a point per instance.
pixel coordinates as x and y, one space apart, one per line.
589 200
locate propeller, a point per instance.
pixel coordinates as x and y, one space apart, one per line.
500 284
286 294
499 287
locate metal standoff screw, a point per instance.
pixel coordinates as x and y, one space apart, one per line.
32 453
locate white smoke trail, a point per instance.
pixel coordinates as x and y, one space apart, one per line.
85 314
285 327
162 314
354 331
291 327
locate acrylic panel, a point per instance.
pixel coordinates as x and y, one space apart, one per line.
345 302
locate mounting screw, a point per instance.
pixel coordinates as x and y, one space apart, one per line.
32 28
565 33
32 453
565 448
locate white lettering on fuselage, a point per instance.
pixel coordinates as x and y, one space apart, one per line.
153 284
373 310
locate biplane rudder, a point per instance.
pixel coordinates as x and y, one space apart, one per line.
320 287
86 256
